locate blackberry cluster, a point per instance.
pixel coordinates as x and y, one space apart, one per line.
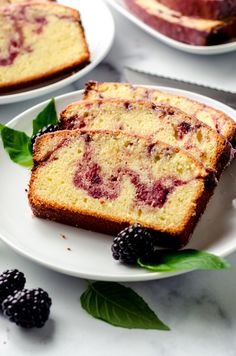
132 243
28 308
10 281
45 129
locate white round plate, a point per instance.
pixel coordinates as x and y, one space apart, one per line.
203 50
87 254
99 30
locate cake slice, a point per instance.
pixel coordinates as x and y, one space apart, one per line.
207 9
190 30
163 122
216 119
39 41
104 181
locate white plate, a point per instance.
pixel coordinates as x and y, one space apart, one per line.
99 30
204 50
90 255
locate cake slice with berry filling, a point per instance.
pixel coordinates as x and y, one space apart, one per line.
163 122
106 180
39 41
216 119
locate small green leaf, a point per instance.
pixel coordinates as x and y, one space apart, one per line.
119 306
172 261
17 144
47 116
1 127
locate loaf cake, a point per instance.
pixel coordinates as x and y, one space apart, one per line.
106 180
216 119
38 41
163 122
190 30
207 9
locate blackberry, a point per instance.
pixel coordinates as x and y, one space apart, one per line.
132 243
28 308
10 281
45 129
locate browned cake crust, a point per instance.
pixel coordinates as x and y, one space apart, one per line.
206 9
221 122
59 70
72 121
180 28
176 238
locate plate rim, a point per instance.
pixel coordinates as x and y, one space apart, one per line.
144 275
30 94
200 50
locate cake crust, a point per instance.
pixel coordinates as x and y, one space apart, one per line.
80 217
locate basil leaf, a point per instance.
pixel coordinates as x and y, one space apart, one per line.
17 144
172 261
119 306
47 116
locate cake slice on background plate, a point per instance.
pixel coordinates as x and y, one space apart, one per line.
216 119
190 30
39 41
162 122
106 180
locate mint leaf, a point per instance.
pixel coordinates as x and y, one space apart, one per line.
17 144
47 116
172 261
119 306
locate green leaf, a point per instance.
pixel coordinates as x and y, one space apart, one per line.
172 261
47 116
17 144
1 127
119 306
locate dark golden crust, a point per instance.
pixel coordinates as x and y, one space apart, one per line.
64 69
223 152
175 238
93 90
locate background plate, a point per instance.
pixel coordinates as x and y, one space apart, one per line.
99 30
90 253
203 50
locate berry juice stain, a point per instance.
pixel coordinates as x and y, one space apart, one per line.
89 177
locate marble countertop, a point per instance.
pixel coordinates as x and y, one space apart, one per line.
199 307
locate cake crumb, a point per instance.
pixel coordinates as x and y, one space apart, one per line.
63 236
26 190
68 248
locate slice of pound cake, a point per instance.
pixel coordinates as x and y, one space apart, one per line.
163 122
216 119
190 30
38 41
104 181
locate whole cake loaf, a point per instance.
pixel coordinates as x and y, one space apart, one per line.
216 119
163 122
38 41
207 9
190 30
106 180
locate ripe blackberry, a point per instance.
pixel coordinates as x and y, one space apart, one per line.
28 308
10 281
45 129
132 243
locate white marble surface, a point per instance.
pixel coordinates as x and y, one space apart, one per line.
199 307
